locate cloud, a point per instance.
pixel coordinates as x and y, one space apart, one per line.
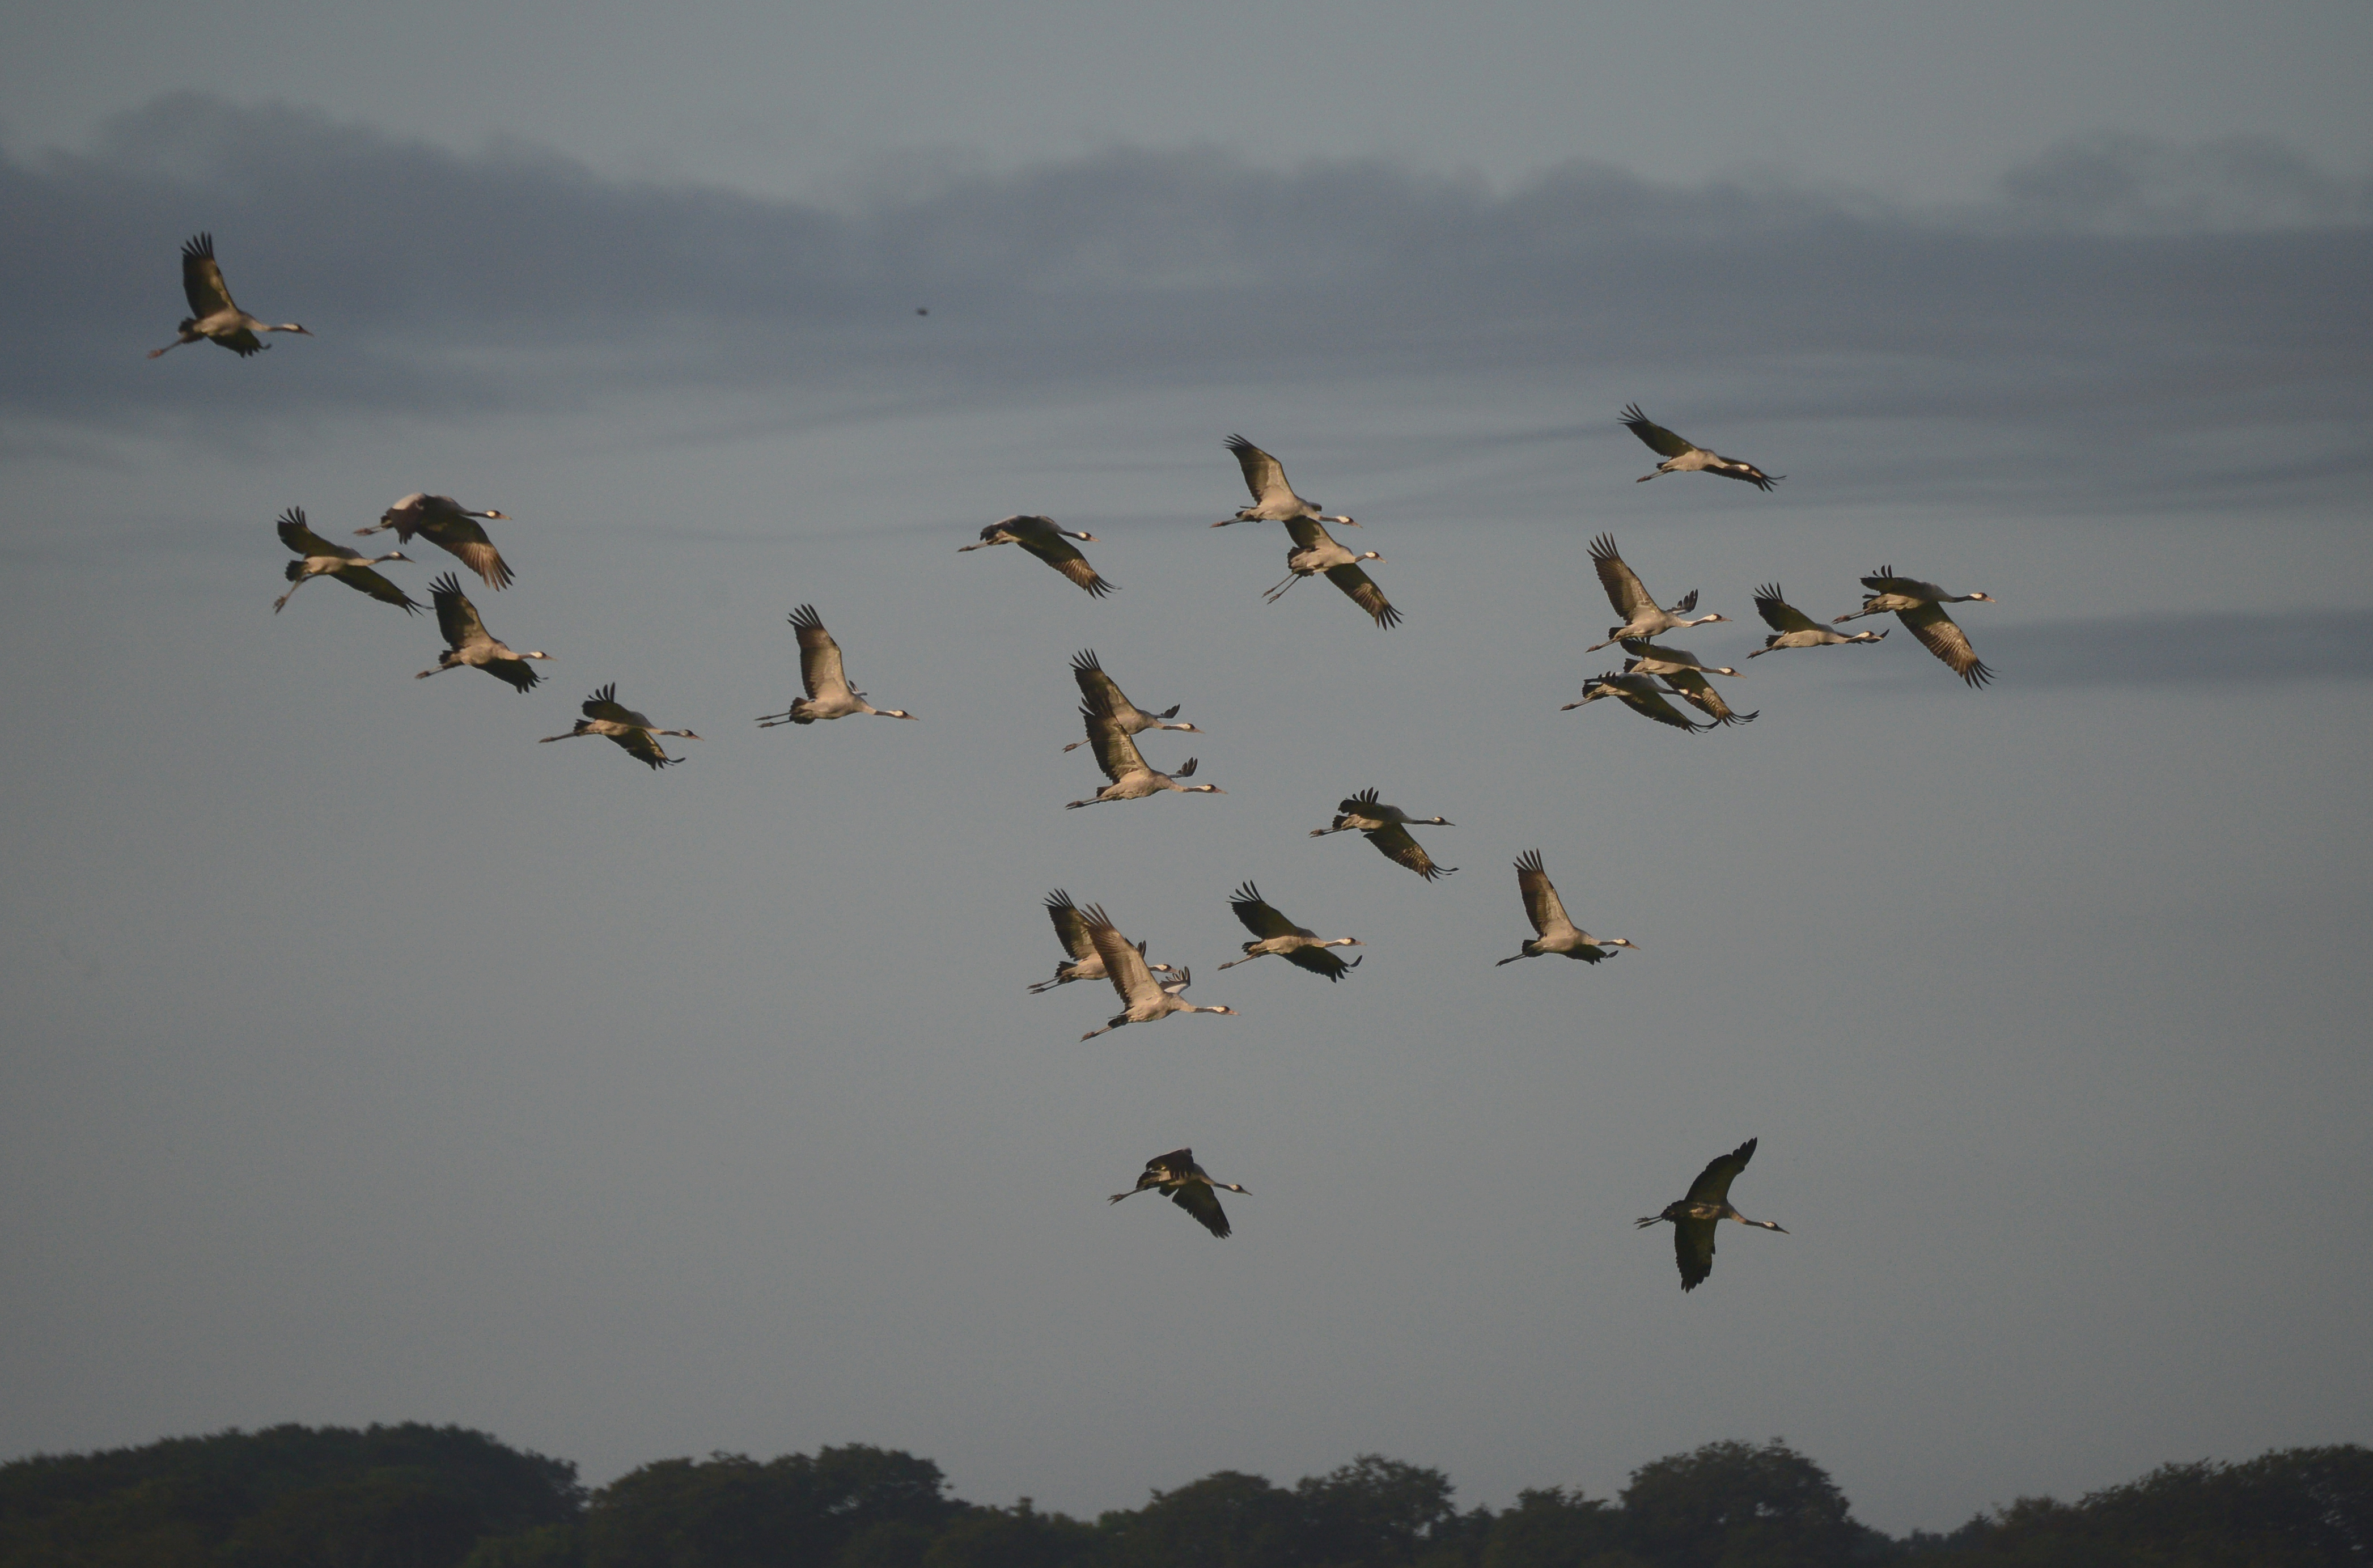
2112 277
2112 183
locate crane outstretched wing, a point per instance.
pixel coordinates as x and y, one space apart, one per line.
604 704
1363 591
1884 581
369 581
1542 905
298 535
1070 926
1043 538
1693 1250
1102 692
1639 694
1261 917
1779 615
1198 1200
1309 533
1116 752
1941 635
457 618
819 666
1398 845
1124 965
643 747
1692 687
1622 584
1712 1185
1264 475
1661 442
202 279
461 537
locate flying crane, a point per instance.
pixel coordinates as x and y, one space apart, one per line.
1556 933
321 558
1707 1205
1049 543
1144 999
1920 607
1388 828
606 716
1298 945
829 694
214 317
1188 1186
441 520
470 642
1273 498
1641 616
1683 456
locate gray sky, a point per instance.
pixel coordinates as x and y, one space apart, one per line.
373 1062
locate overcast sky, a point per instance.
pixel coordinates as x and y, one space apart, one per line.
372 1062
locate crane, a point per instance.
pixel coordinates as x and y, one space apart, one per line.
1071 930
1388 828
470 642
1188 1186
1639 693
1143 1000
829 694
604 714
1315 550
1298 945
214 317
1273 498
1685 677
1132 778
1043 538
1641 616
1692 687
1708 1204
1791 628
1547 911
1684 457
1104 696
322 559
441 521
1920 607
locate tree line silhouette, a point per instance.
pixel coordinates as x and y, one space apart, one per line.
417 1496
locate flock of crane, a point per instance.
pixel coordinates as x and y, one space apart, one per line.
1652 673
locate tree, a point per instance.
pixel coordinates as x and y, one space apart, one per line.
387 1495
1226 1520
1372 1513
1731 1505
1019 1536
1548 1529
731 1510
